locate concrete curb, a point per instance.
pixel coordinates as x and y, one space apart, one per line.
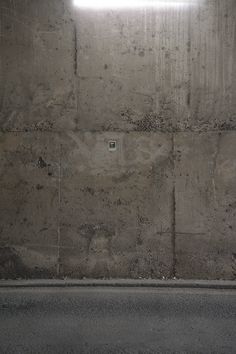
128 283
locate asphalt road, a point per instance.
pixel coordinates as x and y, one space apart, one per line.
117 320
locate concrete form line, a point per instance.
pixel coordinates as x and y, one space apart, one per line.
125 283
118 131
173 238
75 52
59 212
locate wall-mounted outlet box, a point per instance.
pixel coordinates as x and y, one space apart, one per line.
112 145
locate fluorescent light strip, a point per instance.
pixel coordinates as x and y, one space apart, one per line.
119 4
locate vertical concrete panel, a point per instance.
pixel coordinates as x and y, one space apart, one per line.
37 58
116 216
205 205
29 205
212 51
163 69
116 68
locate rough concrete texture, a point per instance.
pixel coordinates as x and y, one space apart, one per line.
206 204
29 204
37 66
116 216
168 69
162 84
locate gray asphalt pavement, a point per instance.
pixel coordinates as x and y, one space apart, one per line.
117 320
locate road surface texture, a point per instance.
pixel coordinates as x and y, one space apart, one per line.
117 320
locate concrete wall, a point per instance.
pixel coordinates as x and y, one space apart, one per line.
159 82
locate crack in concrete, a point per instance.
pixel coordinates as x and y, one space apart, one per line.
75 52
217 149
59 214
173 209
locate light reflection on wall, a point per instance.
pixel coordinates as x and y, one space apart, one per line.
133 4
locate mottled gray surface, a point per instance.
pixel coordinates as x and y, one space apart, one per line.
117 321
162 69
205 172
162 83
116 207
37 66
29 207
165 69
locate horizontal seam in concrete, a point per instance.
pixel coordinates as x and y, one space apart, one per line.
117 131
224 285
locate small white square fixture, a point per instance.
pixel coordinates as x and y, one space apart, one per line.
112 145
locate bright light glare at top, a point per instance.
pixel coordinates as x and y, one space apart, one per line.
119 4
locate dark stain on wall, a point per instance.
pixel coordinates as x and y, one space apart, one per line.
13 267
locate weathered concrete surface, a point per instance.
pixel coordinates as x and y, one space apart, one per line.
117 321
29 204
72 80
116 207
71 207
205 173
37 62
168 69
